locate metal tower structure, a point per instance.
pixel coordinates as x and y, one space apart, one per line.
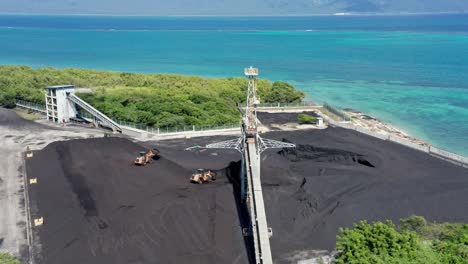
250 123
61 106
251 145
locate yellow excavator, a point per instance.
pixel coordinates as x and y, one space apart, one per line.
201 176
146 157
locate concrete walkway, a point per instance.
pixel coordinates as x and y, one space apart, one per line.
12 217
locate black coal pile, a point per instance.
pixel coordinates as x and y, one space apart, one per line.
99 208
309 152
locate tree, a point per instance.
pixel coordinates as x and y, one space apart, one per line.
282 92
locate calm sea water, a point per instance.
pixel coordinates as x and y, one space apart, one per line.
410 71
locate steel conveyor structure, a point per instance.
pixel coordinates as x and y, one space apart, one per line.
100 117
251 145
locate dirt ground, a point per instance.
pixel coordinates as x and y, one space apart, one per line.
99 208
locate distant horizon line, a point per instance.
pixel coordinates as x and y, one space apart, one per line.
265 15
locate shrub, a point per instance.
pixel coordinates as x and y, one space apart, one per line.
374 243
6 258
306 119
415 242
414 223
452 244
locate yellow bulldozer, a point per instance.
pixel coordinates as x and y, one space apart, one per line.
201 176
146 157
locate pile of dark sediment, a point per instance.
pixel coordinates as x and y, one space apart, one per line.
336 177
318 154
99 208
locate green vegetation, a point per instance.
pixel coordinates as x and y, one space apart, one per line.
414 242
282 92
306 119
6 258
150 99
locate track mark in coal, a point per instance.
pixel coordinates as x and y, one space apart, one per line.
365 163
126 206
70 243
212 222
270 184
304 181
182 192
308 203
102 225
77 181
332 210
319 154
322 171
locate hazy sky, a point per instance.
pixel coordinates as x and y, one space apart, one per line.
228 7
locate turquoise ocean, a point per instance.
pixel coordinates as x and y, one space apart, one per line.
409 71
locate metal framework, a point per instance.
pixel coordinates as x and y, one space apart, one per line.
98 116
250 122
265 144
251 145
236 144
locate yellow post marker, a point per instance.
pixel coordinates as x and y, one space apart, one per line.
39 221
29 153
33 181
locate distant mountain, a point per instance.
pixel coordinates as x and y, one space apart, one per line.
231 7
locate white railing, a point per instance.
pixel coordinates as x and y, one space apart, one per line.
421 147
172 129
408 143
232 126
337 112
448 155
31 106
179 129
372 133
144 128
287 105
